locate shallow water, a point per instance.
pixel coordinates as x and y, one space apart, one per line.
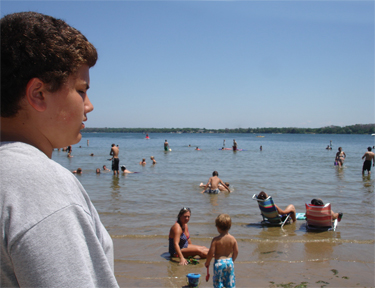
138 209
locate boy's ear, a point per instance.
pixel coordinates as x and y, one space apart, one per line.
35 94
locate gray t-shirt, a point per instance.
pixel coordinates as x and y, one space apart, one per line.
51 232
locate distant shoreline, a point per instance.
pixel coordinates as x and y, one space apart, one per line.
352 129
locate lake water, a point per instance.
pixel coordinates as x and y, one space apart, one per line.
139 209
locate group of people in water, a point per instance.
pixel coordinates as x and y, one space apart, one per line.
369 158
115 150
218 185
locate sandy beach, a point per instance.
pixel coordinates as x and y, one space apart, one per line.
260 264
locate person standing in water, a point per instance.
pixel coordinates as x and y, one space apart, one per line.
234 145
166 145
368 156
340 157
115 160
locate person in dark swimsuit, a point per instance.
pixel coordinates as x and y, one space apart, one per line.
179 239
340 157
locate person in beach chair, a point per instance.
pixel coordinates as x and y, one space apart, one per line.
320 217
271 213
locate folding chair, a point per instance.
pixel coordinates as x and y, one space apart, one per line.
269 212
319 218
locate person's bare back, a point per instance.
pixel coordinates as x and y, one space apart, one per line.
114 151
214 181
369 156
225 246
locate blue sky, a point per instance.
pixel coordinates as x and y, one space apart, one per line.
225 64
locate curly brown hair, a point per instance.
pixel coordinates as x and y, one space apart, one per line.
34 45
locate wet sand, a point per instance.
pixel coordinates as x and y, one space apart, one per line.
259 264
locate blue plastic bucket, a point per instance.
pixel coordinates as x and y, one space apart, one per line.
193 279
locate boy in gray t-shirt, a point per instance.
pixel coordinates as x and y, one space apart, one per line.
51 232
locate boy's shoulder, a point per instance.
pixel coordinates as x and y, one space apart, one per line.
231 237
225 238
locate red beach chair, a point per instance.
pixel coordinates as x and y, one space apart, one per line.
319 218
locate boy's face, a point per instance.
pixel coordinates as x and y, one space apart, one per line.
68 108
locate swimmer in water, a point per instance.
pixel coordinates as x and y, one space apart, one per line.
124 170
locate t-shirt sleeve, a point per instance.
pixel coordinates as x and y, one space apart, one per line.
63 250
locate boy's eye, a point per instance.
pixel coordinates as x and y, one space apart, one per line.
82 93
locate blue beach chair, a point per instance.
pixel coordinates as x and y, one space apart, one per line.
269 212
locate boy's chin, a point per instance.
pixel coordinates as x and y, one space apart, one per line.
71 142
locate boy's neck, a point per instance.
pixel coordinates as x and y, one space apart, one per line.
223 233
17 129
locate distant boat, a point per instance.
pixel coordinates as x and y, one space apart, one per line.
260 136
373 134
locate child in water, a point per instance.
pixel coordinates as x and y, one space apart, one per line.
225 249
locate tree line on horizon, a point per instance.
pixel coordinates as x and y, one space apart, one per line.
352 129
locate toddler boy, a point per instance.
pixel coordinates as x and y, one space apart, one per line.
225 249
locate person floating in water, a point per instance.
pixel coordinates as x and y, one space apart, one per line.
78 171
124 170
368 156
